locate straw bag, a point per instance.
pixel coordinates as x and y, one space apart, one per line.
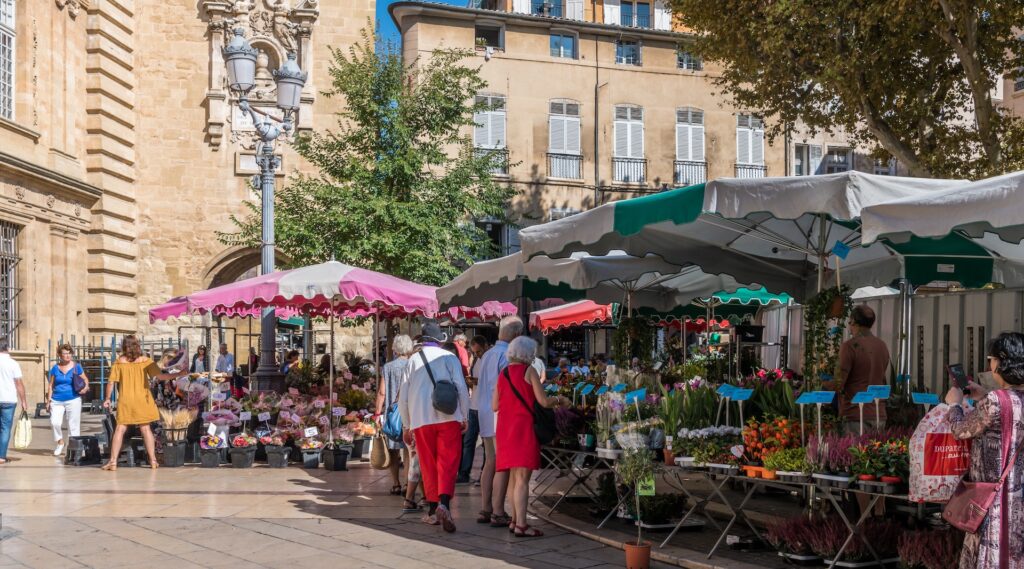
380 458
23 432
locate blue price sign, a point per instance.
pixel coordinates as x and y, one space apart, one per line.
579 386
822 397
725 390
925 398
880 391
551 388
586 390
863 397
636 395
806 398
619 388
741 394
840 249
602 390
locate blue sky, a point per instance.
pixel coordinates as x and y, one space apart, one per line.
388 32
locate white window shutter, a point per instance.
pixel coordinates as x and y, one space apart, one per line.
682 142
636 140
622 139
498 130
757 147
612 11
521 6
556 135
574 9
482 130
572 136
697 143
662 16
743 146
815 160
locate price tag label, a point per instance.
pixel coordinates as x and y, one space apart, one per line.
824 397
211 429
880 391
579 386
324 420
293 391
646 487
925 398
338 411
741 394
636 395
219 396
334 396
344 411
245 416
863 397
319 404
806 398
310 432
263 416
588 389
551 388
602 390
840 249
619 388
725 390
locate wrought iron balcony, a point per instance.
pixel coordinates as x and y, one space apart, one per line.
499 159
690 172
567 166
751 170
629 170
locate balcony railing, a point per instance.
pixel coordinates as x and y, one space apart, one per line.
635 21
488 4
550 8
629 170
499 159
567 166
690 172
751 171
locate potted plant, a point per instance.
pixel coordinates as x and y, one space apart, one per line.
635 466
210 451
310 448
277 453
671 409
789 465
821 342
243 450
658 512
792 538
930 549
866 462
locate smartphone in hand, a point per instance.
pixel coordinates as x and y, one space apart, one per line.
957 376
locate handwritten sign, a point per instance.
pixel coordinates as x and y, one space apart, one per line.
324 420
338 412
245 416
588 389
741 394
840 249
880 391
319 404
343 410
602 390
619 388
220 396
862 398
264 416
725 390
925 398
310 432
646 487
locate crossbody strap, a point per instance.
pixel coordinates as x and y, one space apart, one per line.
1006 412
426 364
516 391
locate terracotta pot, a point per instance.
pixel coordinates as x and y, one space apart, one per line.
891 479
835 310
867 477
670 457
638 556
768 474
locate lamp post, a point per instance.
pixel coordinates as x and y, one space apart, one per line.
240 60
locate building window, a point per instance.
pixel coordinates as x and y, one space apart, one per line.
552 8
635 15
885 167
485 4
562 213
564 156
688 61
627 52
490 35
690 167
750 147
806 160
628 162
563 44
1018 83
7 59
9 290
489 133
837 160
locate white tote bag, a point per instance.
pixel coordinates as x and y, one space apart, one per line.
23 432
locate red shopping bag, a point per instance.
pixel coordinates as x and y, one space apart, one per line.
937 459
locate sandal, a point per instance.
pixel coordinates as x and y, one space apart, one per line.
410 507
527 531
109 466
444 517
396 490
500 520
484 517
430 520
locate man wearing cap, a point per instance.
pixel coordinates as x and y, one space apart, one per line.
438 435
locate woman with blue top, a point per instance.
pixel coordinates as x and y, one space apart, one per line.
64 398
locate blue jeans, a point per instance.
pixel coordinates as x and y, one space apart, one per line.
6 426
469 444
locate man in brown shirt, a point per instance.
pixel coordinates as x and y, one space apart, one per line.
863 361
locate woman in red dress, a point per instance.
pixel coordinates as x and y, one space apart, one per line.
517 449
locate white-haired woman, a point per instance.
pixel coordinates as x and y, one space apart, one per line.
391 377
517 448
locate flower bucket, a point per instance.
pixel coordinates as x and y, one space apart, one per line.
638 556
336 459
277 456
358 446
669 456
242 457
209 457
174 454
311 458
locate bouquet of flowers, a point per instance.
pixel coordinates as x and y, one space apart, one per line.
209 442
343 435
243 440
310 443
364 429
260 402
222 418
275 439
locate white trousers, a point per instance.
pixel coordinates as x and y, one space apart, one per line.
74 412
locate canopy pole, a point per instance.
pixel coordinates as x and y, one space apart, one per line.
821 252
330 388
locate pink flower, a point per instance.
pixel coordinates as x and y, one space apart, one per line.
761 373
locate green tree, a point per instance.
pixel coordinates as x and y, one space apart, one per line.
910 78
398 185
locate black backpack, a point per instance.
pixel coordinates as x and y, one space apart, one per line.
544 427
446 395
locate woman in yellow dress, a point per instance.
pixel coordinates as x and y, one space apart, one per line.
132 373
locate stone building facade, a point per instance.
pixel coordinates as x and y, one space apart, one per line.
122 154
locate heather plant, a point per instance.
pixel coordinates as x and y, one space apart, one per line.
930 549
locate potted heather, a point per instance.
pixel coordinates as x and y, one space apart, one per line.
243 450
277 453
792 538
635 466
930 549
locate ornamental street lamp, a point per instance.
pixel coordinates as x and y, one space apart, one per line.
240 60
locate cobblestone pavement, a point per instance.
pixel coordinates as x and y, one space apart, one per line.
55 516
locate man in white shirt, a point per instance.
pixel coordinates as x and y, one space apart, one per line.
12 392
438 435
493 486
225 361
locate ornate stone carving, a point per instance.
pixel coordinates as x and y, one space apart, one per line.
73 7
50 200
19 192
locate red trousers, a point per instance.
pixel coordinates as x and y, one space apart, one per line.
439 447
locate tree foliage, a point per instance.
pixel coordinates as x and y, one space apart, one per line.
398 185
910 78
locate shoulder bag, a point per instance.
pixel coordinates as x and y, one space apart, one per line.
23 432
392 423
445 397
77 383
544 427
969 506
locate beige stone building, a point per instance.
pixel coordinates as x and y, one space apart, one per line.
122 153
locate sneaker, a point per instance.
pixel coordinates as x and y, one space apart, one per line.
59 450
